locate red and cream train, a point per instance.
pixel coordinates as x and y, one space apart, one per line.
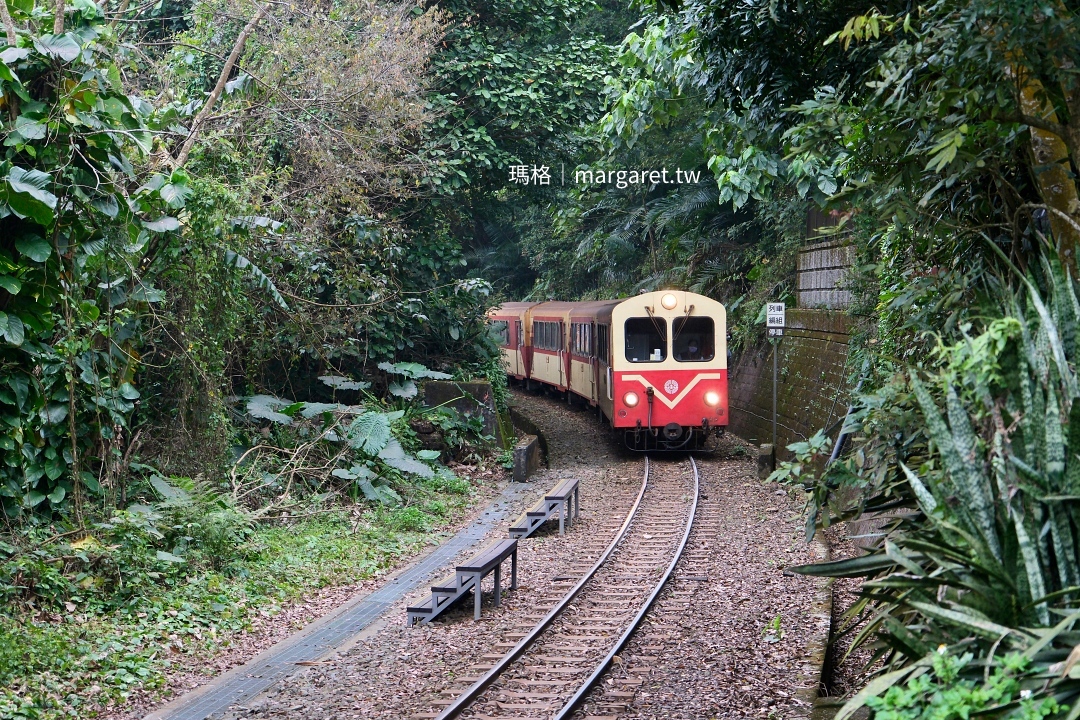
655 364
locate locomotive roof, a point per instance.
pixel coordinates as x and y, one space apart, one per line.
511 307
589 308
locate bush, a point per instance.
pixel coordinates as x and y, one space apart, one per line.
409 519
976 458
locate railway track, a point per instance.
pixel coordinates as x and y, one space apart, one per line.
553 667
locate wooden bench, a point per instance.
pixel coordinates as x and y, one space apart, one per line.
467 577
564 498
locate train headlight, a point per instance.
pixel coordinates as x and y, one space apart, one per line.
631 399
712 398
669 301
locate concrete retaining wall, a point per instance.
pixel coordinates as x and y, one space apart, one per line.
467 398
823 274
811 391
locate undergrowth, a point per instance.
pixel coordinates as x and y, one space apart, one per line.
89 624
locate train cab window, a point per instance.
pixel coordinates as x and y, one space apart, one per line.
520 334
602 342
500 330
646 339
695 339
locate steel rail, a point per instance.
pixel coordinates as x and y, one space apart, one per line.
604 664
473 692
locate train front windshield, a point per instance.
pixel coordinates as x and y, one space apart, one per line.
695 339
646 340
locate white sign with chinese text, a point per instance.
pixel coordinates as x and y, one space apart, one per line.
775 315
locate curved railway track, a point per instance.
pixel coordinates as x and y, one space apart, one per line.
552 669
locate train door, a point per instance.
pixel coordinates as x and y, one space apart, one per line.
519 334
581 360
585 373
603 369
564 357
594 364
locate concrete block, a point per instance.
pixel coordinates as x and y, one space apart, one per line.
766 460
466 397
526 457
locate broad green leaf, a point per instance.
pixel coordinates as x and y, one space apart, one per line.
851 567
966 619
162 224
30 129
922 494
62 47
428 454
310 410
265 407
14 331
370 432
11 55
175 196
27 196
396 457
343 383
406 389
11 284
169 557
107 204
34 247
166 490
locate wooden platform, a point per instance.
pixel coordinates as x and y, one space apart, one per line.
467 577
562 498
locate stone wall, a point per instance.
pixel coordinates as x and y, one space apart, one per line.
822 274
811 392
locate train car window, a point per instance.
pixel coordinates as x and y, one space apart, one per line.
695 339
602 332
520 334
546 336
500 330
646 339
581 339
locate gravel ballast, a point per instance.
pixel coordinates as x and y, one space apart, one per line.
728 638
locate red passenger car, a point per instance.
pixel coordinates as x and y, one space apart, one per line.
655 364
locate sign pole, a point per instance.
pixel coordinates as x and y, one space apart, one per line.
775 348
775 320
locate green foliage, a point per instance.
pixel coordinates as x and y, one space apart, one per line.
983 453
89 646
513 84
950 689
76 220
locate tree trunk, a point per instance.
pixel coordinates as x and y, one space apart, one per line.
230 63
120 12
1056 187
58 19
9 24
